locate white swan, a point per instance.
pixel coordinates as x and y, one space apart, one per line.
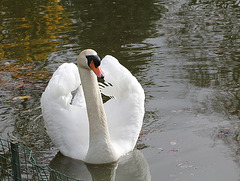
83 127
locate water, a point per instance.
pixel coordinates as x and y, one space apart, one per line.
184 53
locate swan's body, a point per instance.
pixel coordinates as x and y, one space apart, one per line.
90 130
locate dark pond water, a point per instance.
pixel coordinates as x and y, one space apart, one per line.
185 53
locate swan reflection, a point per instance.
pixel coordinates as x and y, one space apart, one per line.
132 167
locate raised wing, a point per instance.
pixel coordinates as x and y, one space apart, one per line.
66 122
125 110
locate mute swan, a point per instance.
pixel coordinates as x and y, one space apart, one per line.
84 128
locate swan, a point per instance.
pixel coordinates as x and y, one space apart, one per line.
81 126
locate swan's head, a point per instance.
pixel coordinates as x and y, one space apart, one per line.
89 59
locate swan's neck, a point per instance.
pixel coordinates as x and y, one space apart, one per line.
100 146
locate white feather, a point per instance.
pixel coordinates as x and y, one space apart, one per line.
66 117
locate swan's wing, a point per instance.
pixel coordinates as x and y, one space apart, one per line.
79 98
126 110
66 122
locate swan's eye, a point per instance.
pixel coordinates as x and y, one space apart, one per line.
95 58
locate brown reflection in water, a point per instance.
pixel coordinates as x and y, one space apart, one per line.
29 32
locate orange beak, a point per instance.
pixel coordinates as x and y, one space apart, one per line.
98 71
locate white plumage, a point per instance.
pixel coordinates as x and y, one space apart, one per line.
66 117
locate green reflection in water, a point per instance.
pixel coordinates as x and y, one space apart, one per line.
107 25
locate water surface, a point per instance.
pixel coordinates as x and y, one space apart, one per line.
184 53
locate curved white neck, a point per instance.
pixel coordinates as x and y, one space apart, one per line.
100 146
